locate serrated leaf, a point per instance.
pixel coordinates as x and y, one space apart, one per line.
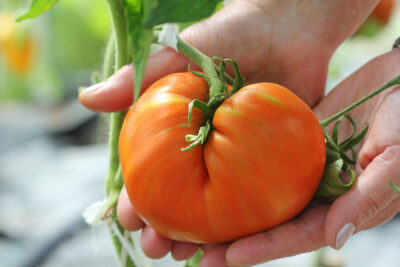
180 11
37 8
141 37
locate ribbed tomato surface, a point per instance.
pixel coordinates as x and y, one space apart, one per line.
260 166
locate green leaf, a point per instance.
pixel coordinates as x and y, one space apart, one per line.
141 37
180 11
37 8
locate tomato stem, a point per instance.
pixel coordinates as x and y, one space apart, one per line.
324 123
337 160
217 85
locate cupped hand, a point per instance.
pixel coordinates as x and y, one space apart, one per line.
370 202
287 42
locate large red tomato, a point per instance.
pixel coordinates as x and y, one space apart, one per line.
260 166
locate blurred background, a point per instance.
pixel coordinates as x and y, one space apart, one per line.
53 152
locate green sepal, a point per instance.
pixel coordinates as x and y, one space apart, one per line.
353 132
331 185
331 156
354 141
198 139
200 105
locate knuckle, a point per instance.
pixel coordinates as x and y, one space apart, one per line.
370 207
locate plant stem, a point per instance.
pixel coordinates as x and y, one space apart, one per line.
109 58
120 32
113 183
391 83
217 86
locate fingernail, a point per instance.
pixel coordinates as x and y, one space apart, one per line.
93 88
344 234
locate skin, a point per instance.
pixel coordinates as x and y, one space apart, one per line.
306 29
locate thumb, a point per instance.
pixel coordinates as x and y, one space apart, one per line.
116 93
367 203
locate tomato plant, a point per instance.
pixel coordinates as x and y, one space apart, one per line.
256 155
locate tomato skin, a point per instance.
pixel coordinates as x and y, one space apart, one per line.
260 167
383 11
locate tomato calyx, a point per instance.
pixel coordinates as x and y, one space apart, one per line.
217 80
338 163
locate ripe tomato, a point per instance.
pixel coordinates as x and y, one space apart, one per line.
261 165
383 11
16 43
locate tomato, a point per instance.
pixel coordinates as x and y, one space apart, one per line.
260 166
383 11
17 45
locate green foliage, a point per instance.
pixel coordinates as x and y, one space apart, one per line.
180 11
141 37
36 8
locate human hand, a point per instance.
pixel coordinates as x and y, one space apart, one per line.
286 42
284 36
370 202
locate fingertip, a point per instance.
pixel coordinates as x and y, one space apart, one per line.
115 94
126 214
214 257
338 227
154 245
183 250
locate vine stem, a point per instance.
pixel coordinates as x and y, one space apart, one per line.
120 32
113 183
391 83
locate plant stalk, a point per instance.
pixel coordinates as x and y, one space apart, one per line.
391 83
114 182
217 86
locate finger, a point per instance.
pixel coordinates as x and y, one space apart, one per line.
126 214
369 196
214 257
183 250
300 235
116 93
207 247
154 245
384 216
